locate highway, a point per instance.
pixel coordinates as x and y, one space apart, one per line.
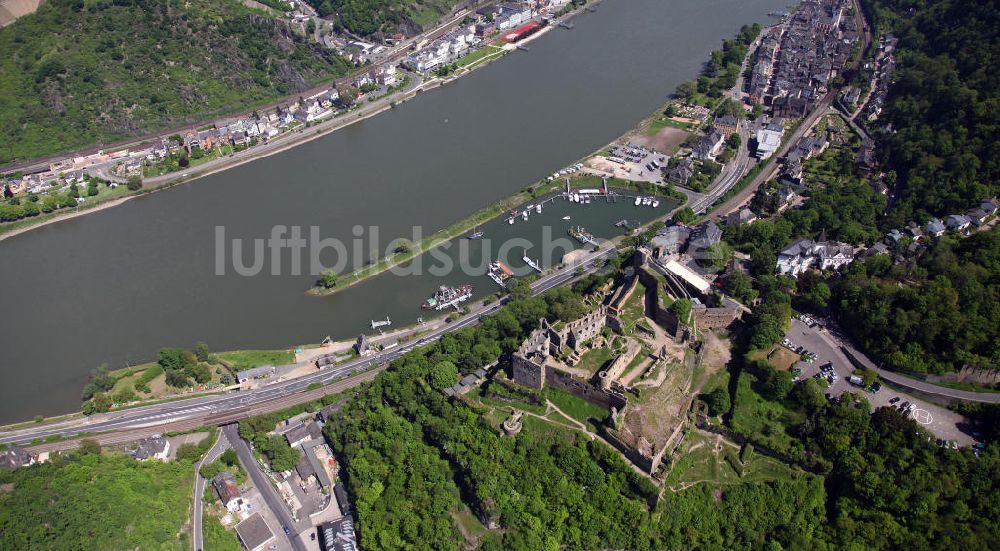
223 408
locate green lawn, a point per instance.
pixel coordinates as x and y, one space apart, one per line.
594 360
478 55
575 407
248 359
660 123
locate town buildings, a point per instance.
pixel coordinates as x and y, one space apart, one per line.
795 62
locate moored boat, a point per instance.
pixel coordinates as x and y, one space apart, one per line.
446 297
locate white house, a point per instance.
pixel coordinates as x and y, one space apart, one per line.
806 253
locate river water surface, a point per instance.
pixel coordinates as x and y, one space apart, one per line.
116 285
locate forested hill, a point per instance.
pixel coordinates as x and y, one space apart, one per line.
78 73
944 107
365 17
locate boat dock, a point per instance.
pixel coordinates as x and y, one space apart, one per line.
566 25
381 323
534 265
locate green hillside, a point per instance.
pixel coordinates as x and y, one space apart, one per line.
386 16
78 73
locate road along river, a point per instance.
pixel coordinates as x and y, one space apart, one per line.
116 285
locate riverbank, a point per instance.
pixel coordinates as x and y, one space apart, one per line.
283 142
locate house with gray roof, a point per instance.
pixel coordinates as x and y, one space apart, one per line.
254 533
957 222
15 457
806 253
302 432
935 228
154 447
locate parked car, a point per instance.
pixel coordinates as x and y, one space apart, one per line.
894 400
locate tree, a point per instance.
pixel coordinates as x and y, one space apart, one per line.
201 351
176 378
200 372
101 402
443 375
717 401
519 289
687 89
820 294
89 446
100 381
682 308
229 457
209 470
280 454
685 216
778 384
310 27
734 141
134 182
327 279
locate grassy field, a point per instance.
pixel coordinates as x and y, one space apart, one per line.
594 360
478 55
248 359
575 407
659 123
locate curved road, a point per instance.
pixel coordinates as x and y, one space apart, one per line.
199 489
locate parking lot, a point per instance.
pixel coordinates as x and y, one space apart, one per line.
632 162
941 422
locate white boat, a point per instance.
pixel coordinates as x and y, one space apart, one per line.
638 201
529 207
524 216
645 201
510 220
576 197
656 203
538 208
565 217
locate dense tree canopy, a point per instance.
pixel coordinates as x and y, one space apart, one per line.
75 73
943 104
936 315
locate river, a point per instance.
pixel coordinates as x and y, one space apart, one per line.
114 286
